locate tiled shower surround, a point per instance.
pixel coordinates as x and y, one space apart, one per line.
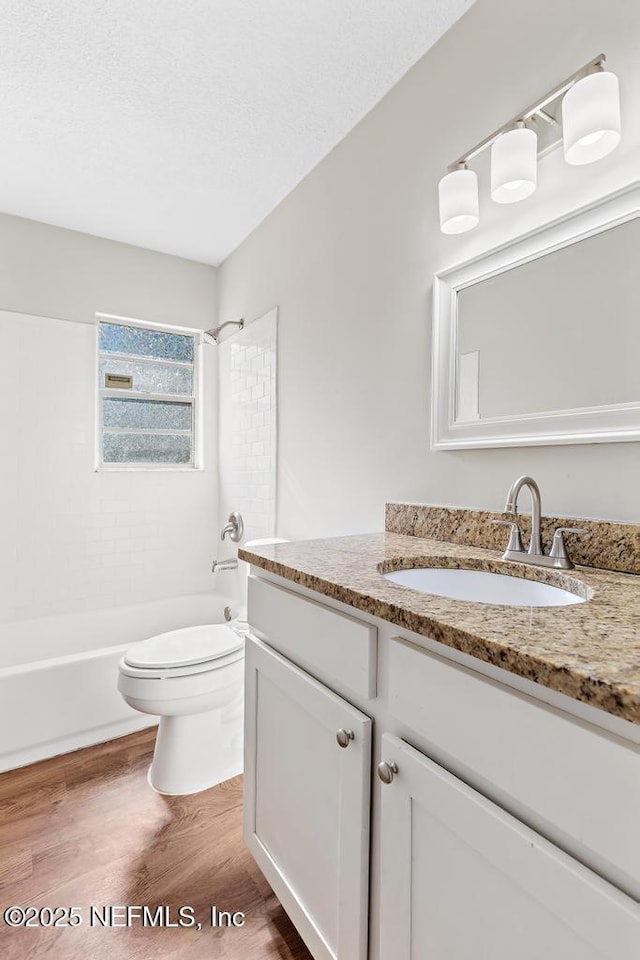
247 418
74 539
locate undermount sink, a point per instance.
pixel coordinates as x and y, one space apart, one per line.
482 586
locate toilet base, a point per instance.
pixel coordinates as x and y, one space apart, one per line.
197 751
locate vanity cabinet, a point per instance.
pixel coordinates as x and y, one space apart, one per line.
501 826
462 879
306 801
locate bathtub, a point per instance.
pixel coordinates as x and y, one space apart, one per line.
58 675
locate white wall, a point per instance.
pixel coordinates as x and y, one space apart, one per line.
74 539
349 258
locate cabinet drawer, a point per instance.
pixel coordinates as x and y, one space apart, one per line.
572 782
335 648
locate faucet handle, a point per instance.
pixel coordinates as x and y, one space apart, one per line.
234 527
515 539
558 548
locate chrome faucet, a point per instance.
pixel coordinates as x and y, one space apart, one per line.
511 506
558 557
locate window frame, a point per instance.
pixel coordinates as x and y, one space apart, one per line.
194 399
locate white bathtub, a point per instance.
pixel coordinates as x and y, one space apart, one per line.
58 675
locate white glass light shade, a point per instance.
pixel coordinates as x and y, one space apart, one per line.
591 118
514 165
458 195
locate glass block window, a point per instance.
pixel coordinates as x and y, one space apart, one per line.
147 396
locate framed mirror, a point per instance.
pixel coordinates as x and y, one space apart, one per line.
538 341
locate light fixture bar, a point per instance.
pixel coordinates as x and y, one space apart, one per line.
533 110
546 116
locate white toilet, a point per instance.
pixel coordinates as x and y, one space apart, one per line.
193 680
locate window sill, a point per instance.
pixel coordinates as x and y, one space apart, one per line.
148 468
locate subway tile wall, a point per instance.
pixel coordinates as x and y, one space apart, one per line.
74 539
247 374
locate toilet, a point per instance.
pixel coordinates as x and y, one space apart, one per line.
193 680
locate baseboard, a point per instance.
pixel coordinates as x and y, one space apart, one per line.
84 738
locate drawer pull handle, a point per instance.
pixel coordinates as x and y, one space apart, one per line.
344 737
387 771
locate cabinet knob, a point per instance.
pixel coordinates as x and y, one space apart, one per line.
387 771
344 737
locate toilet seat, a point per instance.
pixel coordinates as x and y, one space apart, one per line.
185 652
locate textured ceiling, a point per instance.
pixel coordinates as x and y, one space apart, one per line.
179 124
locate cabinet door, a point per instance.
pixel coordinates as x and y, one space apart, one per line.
306 803
461 879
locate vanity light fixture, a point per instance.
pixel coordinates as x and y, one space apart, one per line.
583 112
514 164
591 117
458 194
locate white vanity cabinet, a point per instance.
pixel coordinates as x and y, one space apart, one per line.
306 802
502 825
461 879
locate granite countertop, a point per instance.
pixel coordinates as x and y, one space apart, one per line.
588 651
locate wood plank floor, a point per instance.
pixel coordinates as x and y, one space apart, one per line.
86 830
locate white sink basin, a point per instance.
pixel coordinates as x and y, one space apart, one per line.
483 587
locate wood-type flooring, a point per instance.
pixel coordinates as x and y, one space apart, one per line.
85 829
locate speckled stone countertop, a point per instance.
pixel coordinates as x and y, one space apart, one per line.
605 544
589 651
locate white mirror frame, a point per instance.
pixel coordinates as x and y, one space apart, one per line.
615 422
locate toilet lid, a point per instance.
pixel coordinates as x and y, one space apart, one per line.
183 648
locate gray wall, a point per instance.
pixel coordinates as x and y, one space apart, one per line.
53 272
349 258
